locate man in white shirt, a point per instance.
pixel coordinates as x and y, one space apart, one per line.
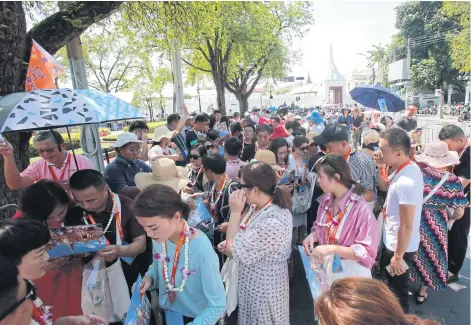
402 210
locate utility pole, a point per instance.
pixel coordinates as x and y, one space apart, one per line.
90 137
199 97
177 77
409 60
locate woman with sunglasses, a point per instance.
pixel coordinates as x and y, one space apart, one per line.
260 241
298 164
345 225
195 168
23 243
212 141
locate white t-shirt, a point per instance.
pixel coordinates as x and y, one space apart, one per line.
292 166
406 189
160 151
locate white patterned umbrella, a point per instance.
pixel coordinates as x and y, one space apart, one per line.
55 108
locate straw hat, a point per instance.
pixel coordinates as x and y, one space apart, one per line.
310 136
266 156
125 138
162 132
165 172
437 155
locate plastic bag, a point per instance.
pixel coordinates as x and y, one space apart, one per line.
96 296
230 276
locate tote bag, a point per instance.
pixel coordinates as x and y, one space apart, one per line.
230 276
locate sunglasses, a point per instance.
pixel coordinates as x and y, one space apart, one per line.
304 148
195 157
241 186
30 294
48 151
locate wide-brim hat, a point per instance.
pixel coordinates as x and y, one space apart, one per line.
125 138
162 132
266 156
437 155
310 137
165 172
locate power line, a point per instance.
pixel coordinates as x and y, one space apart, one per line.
444 31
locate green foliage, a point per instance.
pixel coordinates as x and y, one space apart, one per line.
459 43
225 40
152 126
435 58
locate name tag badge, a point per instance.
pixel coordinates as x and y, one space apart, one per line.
173 317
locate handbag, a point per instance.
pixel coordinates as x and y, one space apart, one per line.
230 277
302 200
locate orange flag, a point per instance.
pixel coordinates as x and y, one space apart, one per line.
43 69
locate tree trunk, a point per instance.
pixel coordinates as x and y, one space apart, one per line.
243 103
12 80
220 92
15 48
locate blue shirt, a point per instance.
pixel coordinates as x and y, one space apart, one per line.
203 297
120 173
345 120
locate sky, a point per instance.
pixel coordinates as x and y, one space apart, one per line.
351 27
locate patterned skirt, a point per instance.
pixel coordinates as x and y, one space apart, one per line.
430 264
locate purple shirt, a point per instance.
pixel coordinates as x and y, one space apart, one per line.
360 230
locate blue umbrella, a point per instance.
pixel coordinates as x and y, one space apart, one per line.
378 97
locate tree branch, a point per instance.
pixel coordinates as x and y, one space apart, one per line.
56 30
194 66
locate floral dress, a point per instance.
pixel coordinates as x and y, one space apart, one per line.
430 263
262 250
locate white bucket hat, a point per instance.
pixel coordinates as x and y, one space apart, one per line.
125 138
165 172
437 155
162 132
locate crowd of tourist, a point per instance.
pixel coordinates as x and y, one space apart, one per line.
353 186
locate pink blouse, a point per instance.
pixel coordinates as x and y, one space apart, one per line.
360 230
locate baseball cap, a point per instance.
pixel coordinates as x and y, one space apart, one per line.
331 133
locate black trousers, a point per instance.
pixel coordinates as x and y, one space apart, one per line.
458 243
399 285
186 320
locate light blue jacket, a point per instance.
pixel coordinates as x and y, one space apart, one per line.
203 297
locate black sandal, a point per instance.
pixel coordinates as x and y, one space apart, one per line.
418 295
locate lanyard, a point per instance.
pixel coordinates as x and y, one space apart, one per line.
335 222
115 214
347 156
213 202
172 294
383 210
66 165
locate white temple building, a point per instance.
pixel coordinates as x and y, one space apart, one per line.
335 90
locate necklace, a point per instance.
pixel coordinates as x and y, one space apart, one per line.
170 283
213 201
335 222
116 214
250 215
190 175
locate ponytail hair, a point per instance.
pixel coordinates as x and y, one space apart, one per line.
262 176
334 164
160 201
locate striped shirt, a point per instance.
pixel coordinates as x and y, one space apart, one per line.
363 170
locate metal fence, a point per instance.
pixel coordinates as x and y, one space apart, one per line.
431 126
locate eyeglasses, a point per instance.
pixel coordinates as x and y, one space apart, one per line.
30 294
241 186
195 157
304 148
49 151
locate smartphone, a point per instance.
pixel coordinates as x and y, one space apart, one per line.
404 266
